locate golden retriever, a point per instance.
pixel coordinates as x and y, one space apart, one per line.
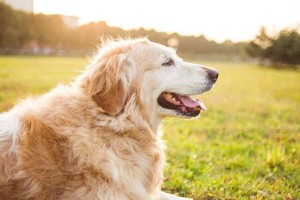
98 138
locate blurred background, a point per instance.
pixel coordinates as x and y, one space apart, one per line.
204 29
247 145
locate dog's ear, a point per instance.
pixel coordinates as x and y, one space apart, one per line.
108 82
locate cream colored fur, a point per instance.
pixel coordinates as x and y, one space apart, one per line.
96 139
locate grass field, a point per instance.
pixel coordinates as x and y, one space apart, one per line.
246 146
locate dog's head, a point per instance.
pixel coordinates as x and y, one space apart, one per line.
160 80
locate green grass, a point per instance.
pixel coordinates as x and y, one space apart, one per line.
23 76
246 146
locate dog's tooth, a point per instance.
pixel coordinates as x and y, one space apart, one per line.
169 96
197 108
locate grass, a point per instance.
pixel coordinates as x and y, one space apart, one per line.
246 146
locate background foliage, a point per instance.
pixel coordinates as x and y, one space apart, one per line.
283 48
18 30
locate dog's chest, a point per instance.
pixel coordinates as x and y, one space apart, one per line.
130 162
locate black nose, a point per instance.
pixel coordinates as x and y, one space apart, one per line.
212 74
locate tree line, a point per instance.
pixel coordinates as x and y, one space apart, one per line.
282 49
22 32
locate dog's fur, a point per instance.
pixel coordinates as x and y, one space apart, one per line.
98 138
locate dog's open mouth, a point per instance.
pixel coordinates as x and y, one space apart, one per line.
183 104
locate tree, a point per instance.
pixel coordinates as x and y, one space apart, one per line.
286 48
259 46
48 29
283 49
14 31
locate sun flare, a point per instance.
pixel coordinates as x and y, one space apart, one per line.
218 20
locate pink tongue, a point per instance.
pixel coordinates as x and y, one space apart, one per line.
188 102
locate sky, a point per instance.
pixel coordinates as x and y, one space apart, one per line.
219 20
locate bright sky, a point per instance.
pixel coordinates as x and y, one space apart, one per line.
238 20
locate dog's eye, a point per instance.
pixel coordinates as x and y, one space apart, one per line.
169 62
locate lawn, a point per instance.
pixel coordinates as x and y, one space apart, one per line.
246 146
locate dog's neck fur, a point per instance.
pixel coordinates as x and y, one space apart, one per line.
141 116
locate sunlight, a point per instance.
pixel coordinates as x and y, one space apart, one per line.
218 20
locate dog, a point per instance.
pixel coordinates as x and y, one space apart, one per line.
98 138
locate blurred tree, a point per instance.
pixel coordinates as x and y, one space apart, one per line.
14 30
48 29
283 49
259 46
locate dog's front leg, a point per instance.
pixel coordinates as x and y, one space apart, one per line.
167 196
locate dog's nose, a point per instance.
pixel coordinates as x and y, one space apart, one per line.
212 74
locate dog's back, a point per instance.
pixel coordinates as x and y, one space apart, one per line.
9 129
43 153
